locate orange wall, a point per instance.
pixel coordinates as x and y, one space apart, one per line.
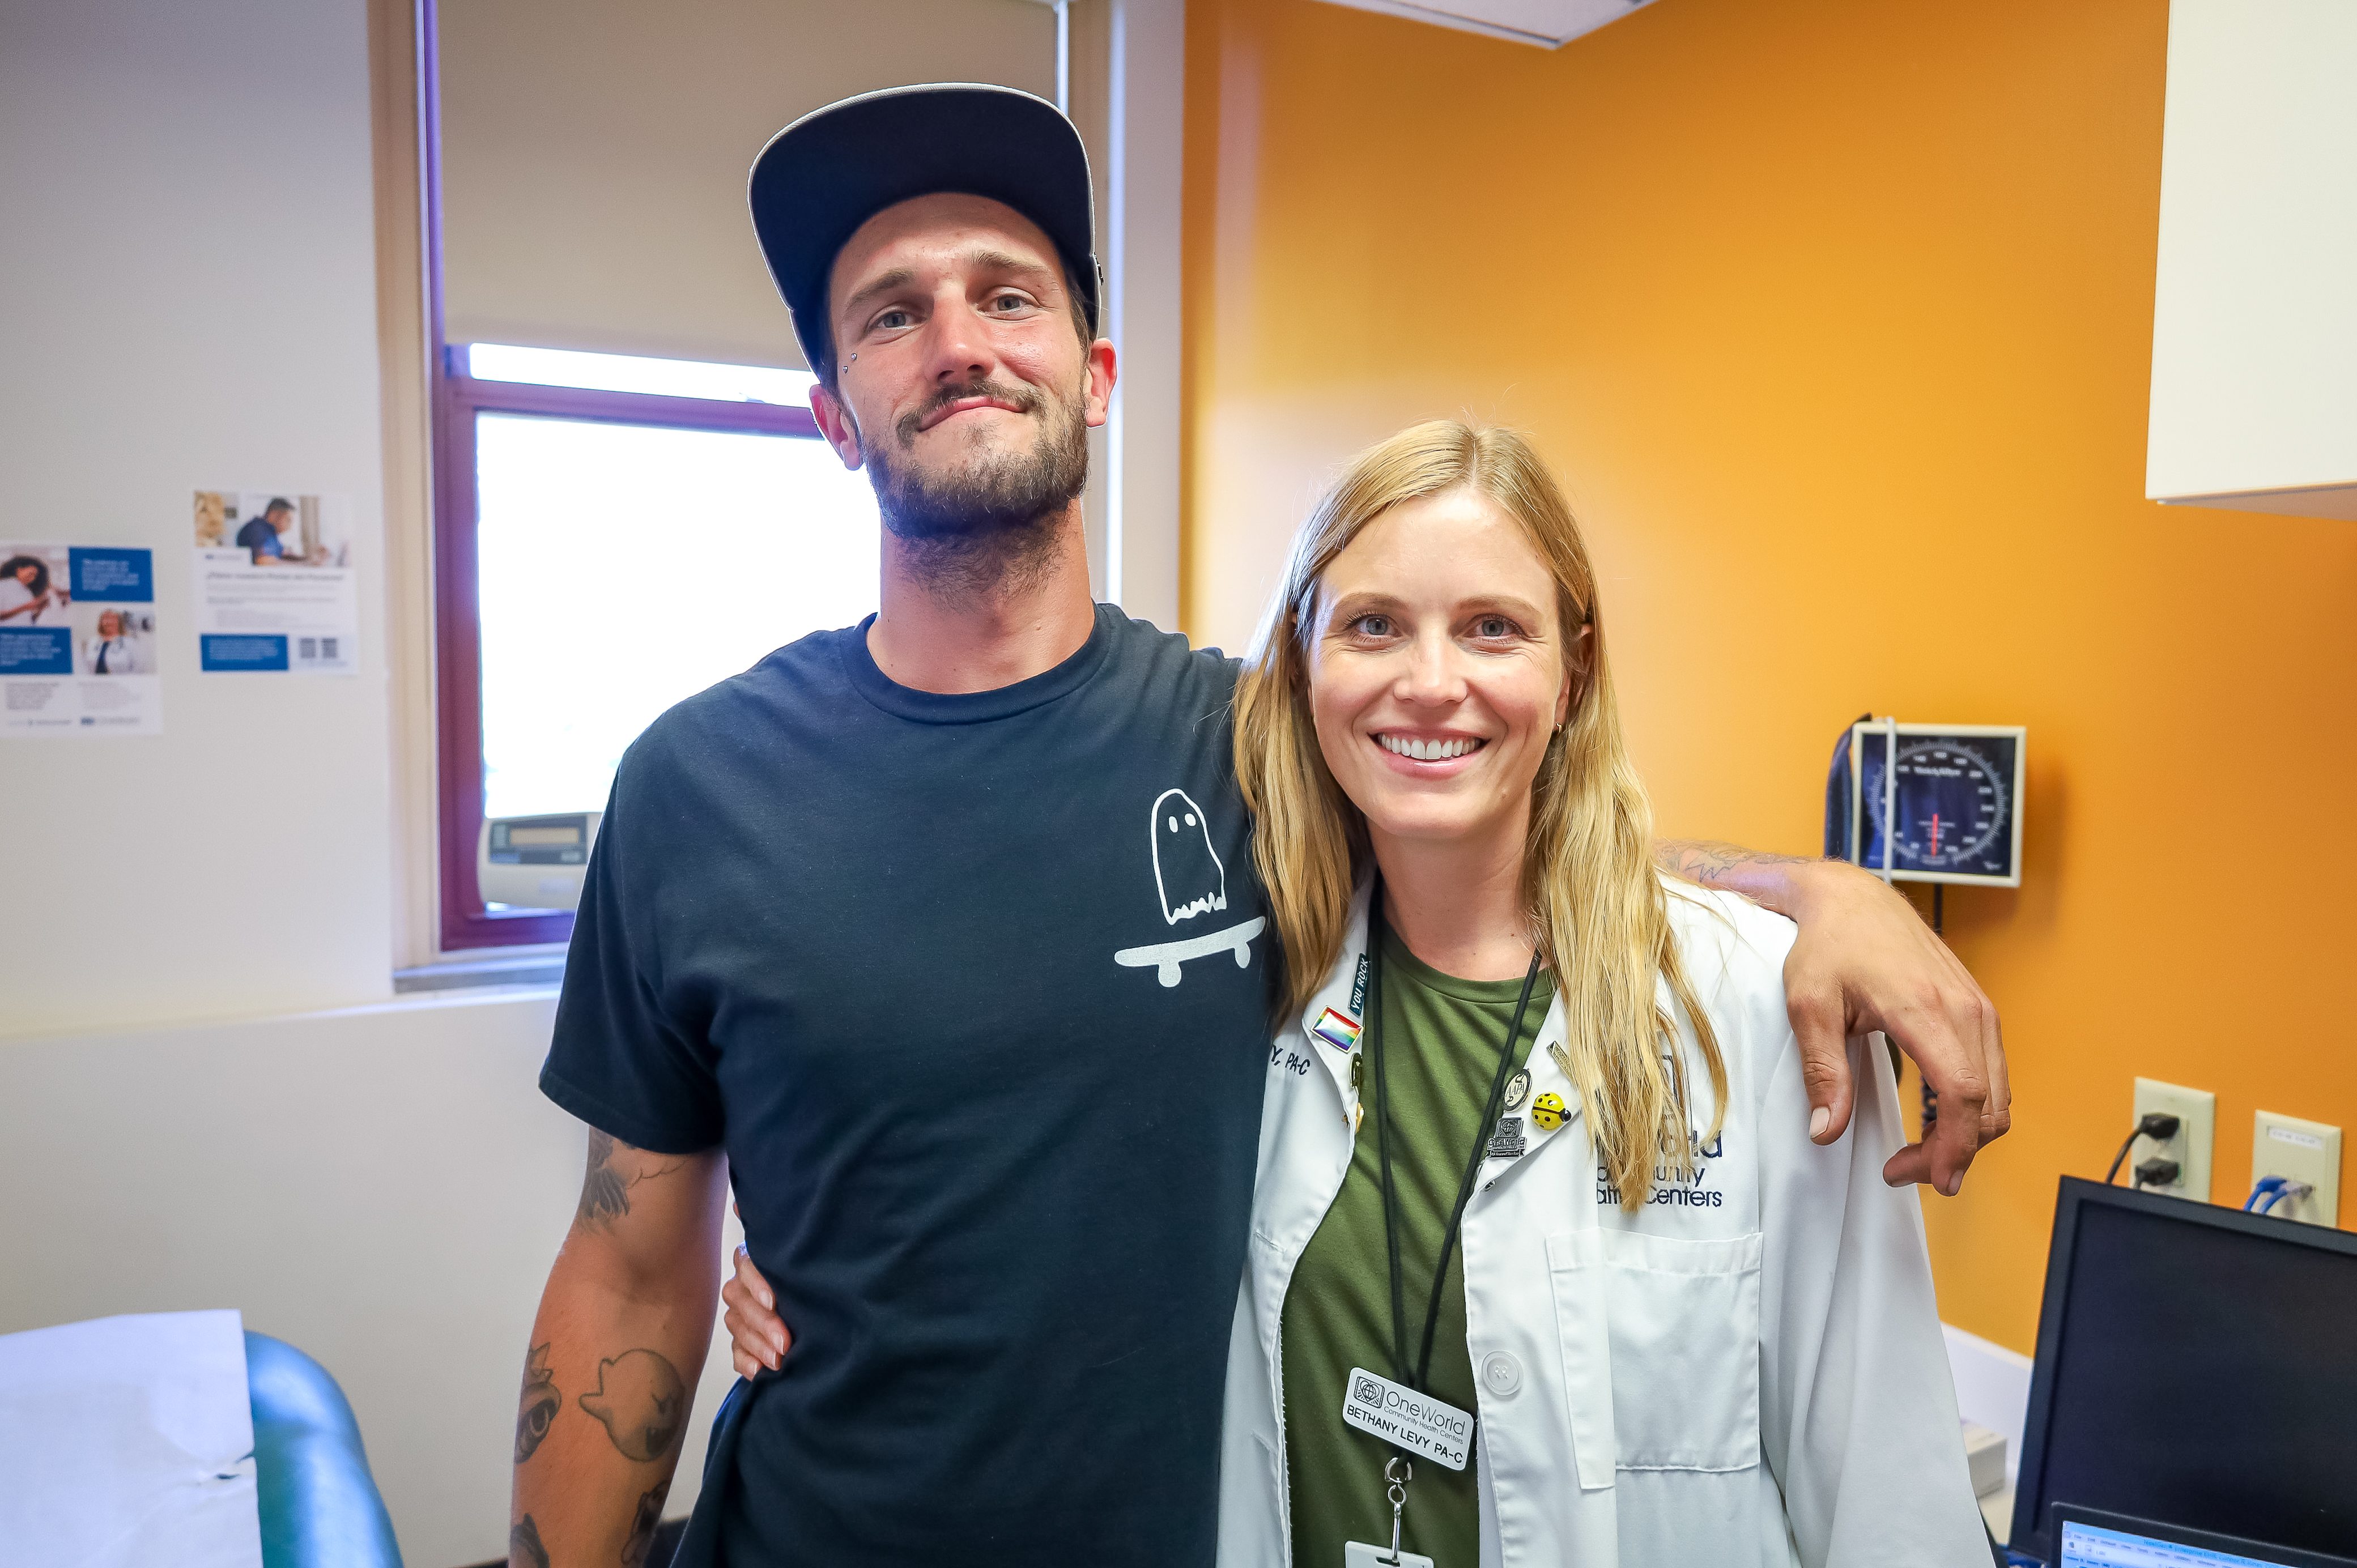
1837 316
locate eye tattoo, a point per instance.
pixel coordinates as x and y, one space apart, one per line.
538 1404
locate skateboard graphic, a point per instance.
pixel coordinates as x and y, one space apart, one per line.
1189 881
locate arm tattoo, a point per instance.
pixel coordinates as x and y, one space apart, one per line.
643 1400
1701 861
524 1549
538 1404
643 1525
605 1191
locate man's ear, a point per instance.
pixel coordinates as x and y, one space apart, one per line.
835 423
1103 368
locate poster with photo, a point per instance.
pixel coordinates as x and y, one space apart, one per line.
78 640
275 584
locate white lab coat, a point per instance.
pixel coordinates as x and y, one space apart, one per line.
1747 1369
124 655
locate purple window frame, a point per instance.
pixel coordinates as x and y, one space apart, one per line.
458 401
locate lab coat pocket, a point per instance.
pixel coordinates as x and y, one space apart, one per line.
1660 1343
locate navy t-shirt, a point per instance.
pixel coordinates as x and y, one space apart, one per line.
974 990
261 538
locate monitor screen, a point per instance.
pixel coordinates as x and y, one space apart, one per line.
2195 1367
2092 1546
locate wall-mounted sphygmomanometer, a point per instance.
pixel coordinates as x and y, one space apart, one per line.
1937 803
535 863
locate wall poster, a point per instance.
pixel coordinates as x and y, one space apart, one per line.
78 640
275 584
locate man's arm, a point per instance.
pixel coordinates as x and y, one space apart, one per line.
1864 960
616 1351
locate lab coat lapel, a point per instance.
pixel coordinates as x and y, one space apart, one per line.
1547 1077
1338 994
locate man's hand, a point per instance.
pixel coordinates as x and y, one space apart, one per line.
757 1336
1864 960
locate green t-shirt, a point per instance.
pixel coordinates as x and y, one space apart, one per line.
1441 1038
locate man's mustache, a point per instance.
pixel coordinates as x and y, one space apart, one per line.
1022 399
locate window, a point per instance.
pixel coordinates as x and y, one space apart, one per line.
613 534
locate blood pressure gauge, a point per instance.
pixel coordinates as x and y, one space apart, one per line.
1937 802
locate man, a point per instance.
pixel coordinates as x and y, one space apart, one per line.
940 937
264 536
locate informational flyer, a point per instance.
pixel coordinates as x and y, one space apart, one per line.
275 584
78 640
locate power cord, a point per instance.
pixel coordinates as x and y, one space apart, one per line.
2156 1171
2158 1125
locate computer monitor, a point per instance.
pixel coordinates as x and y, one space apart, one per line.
2089 1538
2197 1366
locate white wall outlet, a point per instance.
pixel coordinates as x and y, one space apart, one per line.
2304 1150
2196 1110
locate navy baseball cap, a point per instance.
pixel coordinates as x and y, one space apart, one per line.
830 171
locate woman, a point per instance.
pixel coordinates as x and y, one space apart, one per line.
1534 1180
112 649
25 596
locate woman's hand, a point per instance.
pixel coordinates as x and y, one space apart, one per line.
757 1335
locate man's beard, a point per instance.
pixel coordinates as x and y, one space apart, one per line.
994 522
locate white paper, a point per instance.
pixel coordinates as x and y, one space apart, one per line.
276 589
78 640
128 1442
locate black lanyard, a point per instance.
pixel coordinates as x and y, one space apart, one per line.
1383 1149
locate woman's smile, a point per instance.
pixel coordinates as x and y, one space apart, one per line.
1427 756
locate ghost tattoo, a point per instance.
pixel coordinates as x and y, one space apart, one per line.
643 1402
1187 869
537 1405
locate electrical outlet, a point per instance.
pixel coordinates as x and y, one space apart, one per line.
2304 1150
2196 1110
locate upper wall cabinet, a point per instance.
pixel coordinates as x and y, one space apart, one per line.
2255 314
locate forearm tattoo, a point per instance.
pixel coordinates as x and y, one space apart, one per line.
605 1190
537 1405
643 1400
643 1525
1705 861
524 1549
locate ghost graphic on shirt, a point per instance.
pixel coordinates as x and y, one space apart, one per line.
1187 869
1189 881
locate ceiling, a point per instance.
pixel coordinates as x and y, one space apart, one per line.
1550 23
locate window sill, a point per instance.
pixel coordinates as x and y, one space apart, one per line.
542 967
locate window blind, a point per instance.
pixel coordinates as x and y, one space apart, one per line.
594 153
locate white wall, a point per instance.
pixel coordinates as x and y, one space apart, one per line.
188 298
188 260
384 1187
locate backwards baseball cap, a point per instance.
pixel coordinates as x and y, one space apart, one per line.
832 171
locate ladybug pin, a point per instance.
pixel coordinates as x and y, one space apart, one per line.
1548 1112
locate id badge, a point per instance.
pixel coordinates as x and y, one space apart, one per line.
1359 1554
1405 1419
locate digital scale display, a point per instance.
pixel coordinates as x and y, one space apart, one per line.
541 841
1949 809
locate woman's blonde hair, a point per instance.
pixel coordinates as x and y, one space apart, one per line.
1599 913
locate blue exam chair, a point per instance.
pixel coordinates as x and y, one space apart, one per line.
318 1502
